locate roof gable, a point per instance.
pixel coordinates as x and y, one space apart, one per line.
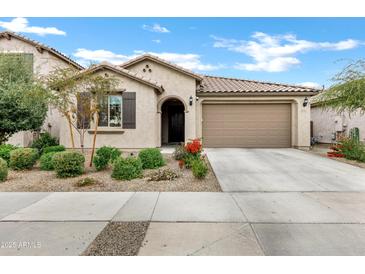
132 75
161 62
40 47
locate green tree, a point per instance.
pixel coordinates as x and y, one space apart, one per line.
70 86
23 98
348 91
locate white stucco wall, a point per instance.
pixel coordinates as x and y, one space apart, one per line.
176 85
327 122
43 64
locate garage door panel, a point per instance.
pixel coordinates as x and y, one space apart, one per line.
247 125
247 132
254 125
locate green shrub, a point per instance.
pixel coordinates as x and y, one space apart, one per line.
199 169
68 164
180 152
44 140
46 161
189 158
165 174
5 150
352 149
23 158
104 156
151 158
355 134
86 182
3 170
58 148
127 168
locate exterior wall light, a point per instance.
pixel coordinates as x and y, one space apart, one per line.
191 100
305 102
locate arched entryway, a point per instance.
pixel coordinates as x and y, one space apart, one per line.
172 122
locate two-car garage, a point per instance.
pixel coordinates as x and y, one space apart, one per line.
253 114
251 125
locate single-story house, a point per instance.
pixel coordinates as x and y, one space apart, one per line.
158 103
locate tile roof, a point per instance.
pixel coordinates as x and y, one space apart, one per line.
127 73
40 47
218 85
160 61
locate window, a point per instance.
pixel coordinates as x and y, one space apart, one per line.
110 111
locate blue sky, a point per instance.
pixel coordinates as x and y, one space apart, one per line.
288 50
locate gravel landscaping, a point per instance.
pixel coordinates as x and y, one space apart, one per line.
36 180
118 239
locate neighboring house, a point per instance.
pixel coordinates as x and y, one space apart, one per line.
44 59
158 103
328 125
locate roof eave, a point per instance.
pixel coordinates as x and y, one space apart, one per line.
255 94
158 89
40 46
144 57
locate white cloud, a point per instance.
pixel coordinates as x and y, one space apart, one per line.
273 65
155 28
86 56
187 60
21 24
310 85
276 53
157 41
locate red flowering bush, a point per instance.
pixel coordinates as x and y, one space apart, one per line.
194 147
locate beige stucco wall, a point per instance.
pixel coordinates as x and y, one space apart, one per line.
43 64
328 122
300 118
176 85
144 135
148 115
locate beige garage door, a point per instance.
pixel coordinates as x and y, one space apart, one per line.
247 125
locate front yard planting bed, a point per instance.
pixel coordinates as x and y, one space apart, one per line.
322 149
36 180
118 239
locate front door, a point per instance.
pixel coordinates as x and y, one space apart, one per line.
176 124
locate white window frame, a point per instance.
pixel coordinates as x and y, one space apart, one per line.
108 111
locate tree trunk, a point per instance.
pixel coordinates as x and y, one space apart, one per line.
82 141
71 131
94 139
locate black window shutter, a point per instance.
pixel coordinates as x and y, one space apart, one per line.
129 110
83 110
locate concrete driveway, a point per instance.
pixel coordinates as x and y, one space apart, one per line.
239 169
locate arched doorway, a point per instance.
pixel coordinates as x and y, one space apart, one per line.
172 122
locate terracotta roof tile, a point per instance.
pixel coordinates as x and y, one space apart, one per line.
214 84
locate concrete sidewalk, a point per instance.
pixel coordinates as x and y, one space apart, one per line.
251 223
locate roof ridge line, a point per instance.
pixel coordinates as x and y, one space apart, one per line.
123 70
259 81
46 47
158 59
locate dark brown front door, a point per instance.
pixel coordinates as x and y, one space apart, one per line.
176 124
